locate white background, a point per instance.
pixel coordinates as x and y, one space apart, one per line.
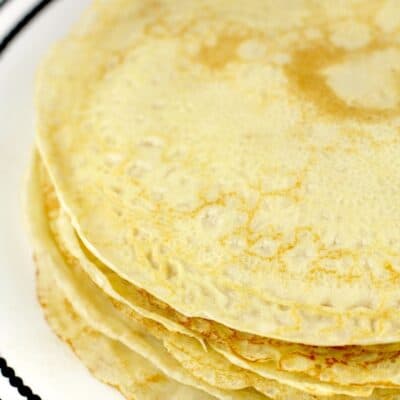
45 364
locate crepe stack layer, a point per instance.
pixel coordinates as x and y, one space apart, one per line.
214 200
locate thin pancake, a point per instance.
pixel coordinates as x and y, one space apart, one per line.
92 305
207 366
108 360
270 370
256 166
371 365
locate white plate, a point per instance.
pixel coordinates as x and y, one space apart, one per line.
26 342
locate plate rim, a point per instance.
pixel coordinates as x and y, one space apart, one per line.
17 26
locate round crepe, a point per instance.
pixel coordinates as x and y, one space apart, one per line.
360 365
374 365
96 310
237 160
208 366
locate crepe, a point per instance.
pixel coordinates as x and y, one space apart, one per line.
371 365
97 311
348 365
140 334
136 305
236 160
214 197
201 358
108 360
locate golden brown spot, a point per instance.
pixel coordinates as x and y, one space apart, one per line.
393 273
221 53
308 82
155 378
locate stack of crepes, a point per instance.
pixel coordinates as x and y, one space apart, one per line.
215 197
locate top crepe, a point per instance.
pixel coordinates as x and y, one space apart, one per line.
237 160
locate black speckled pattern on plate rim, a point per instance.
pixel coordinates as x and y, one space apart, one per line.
16 382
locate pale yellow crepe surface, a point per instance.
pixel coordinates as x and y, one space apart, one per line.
350 364
207 366
92 305
371 365
236 159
